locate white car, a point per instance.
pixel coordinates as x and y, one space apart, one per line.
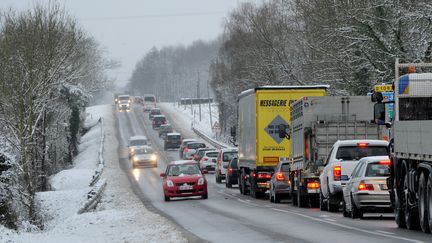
144 156
224 157
339 165
367 189
136 142
208 160
191 148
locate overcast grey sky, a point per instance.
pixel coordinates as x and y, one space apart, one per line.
129 28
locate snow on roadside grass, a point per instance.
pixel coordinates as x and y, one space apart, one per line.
121 216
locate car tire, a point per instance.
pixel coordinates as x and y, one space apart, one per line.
166 198
218 180
276 198
205 196
228 183
271 196
422 208
355 212
331 207
345 213
323 205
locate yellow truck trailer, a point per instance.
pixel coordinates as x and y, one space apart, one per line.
264 132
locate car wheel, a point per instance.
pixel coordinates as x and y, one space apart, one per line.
228 182
355 212
344 210
276 198
323 205
166 198
331 207
240 185
205 196
422 209
271 196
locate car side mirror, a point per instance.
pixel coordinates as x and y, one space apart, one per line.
205 172
162 174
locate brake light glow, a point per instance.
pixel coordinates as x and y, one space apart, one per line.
337 173
280 176
365 187
313 185
264 176
186 150
362 145
205 159
385 162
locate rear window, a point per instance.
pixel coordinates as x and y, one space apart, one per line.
174 137
234 163
160 118
356 152
155 111
196 145
377 170
228 156
123 97
149 99
138 142
212 154
285 167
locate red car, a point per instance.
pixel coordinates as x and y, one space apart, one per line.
184 178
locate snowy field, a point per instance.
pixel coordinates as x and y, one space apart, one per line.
120 217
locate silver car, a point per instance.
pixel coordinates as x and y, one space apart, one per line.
144 156
280 186
366 190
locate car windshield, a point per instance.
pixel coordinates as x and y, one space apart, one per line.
159 118
196 145
182 170
149 98
228 156
174 137
357 152
377 170
144 151
123 98
212 154
138 142
285 167
155 112
166 128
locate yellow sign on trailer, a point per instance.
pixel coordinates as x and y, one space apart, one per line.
273 116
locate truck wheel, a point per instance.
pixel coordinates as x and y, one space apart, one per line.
218 180
314 201
294 198
422 209
411 217
301 200
399 209
323 205
429 201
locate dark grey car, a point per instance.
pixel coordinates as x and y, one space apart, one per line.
280 188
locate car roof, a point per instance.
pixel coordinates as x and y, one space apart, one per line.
123 96
173 134
206 149
182 162
356 141
138 137
166 125
159 116
229 150
372 159
195 142
154 109
189 140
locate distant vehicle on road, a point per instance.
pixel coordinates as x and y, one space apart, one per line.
208 160
224 157
184 178
139 100
191 148
136 142
339 165
366 190
172 141
149 102
200 152
144 156
164 129
280 186
123 102
184 142
153 112
158 120
232 173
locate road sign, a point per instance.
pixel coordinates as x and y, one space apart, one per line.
383 88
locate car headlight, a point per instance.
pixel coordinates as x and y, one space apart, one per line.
153 157
201 181
170 183
127 104
136 159
132 150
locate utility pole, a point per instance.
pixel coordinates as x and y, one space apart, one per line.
198 95
209 103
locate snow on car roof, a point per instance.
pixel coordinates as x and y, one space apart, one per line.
158 116
173 134
181 162
368 141
189 140
138 137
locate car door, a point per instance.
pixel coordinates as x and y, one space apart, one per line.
349 186
324 176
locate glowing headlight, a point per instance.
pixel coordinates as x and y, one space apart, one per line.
201 181
136 159
170 183
127 104
153 157
129 101
132 150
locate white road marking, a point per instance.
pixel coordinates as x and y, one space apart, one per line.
324 216
329 219
384 232
348 227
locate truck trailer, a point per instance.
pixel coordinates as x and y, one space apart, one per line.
264 132
410 181
317 123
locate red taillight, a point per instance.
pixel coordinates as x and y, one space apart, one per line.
280 176
385 162
186 150
313 185
205 159
365 187
362 145
264 176
337 172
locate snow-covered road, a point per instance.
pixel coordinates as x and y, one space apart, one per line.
229 216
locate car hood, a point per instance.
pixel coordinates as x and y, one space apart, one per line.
182 178
143 156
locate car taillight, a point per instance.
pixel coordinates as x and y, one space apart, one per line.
385 162
362 144
337 172
280 176
313 185
365 187
205 159
230 170
186 150
264 176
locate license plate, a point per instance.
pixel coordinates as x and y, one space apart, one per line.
185 187
383 187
